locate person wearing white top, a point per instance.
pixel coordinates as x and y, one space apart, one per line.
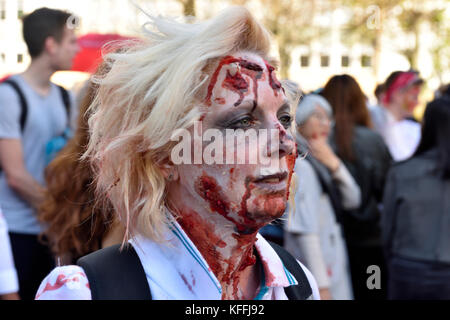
325 187
191 216
9 283
393 119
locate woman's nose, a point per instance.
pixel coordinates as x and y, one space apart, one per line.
281 141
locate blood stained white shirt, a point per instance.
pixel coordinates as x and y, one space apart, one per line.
176 270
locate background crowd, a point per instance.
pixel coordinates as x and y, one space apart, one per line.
372 185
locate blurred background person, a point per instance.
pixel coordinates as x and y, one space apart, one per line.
399 129
77 223
377 113
443 90
367 158
9 284
23 143
325 187
416 221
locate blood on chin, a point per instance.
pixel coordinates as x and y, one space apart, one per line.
256 209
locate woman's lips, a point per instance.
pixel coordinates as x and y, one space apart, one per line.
272 182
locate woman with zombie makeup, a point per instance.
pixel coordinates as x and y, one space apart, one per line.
325 187
367 158
191 225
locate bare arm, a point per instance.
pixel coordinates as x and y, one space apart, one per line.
10 296
18 178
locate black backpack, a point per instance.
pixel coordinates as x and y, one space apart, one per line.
116 274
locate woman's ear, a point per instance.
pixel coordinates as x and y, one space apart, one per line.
169 171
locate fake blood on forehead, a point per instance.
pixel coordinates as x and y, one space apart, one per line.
224 61
236 82
273 81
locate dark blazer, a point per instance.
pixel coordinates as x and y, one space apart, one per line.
416 218
369 169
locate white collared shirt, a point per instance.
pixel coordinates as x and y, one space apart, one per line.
176 270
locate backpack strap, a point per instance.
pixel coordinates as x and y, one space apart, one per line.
116 274
301 291
24 105
66 101
23 102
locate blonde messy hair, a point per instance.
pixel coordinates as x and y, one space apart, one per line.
154 87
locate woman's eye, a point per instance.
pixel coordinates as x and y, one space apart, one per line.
242 123
286 120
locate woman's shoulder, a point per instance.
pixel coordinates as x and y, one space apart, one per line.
65 283
418 165
368 141
365 133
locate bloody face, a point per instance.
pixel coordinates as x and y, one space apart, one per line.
243 93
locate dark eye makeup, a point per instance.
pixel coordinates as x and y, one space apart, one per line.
248 116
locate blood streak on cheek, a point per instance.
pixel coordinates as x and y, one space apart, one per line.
243 212
209 190
290 160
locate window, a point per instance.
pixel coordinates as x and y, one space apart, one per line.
324 61
345 61
366 61
304 61
2 9
20 9
19 58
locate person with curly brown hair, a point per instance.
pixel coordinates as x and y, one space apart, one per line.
77 223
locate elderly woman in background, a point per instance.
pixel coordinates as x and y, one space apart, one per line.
325 187
192 225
